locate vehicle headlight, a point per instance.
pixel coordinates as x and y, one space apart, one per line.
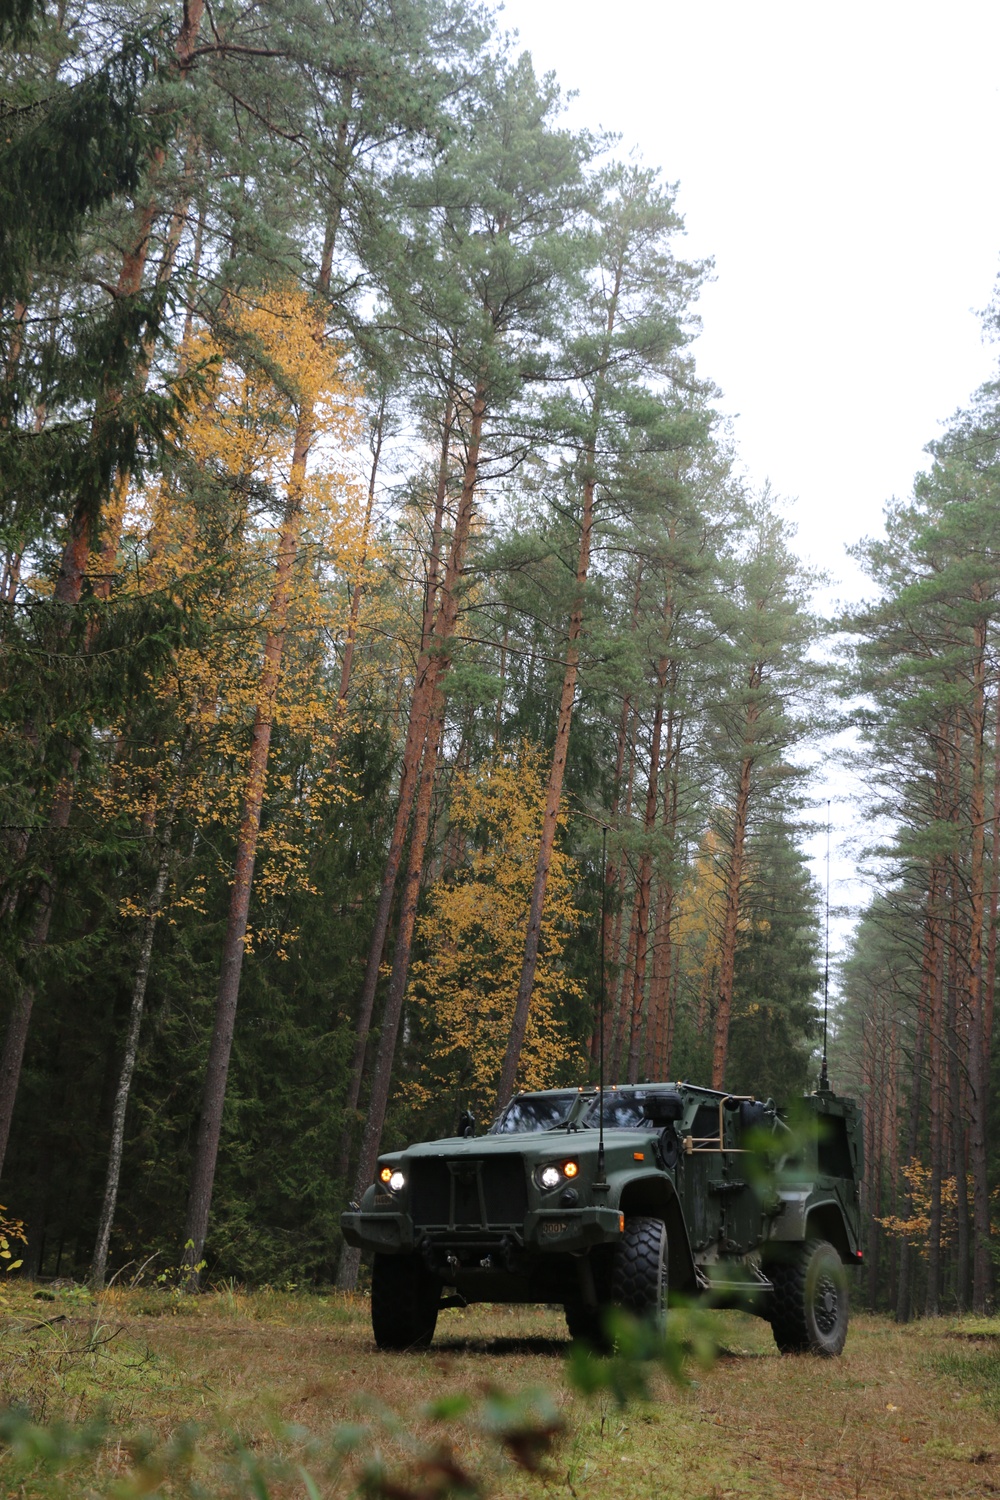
392 1178
555 1174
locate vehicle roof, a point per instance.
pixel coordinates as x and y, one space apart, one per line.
618 1088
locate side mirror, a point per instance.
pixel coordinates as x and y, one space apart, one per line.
663 1109
466 1123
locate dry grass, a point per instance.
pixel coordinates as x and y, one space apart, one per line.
905 1412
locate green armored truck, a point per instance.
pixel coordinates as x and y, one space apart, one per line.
669 1192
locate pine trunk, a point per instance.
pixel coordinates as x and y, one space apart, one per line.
661 988
437 627
903 1291
382 1074
979 1039
644 887
99 1264
234 942
553 797
731 921
936 1050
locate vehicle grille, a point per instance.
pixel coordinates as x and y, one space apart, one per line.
484 1193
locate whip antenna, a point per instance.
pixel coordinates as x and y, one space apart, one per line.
824 1077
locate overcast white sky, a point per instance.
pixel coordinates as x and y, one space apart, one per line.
839 162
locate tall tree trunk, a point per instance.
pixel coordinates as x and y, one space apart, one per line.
354 614
979 1038
553 797
731 918
557 769
936 1080
437 627
99 1264
617 968
234 942
661 988
903 1293
610 874
644 885
956 1030
347 1272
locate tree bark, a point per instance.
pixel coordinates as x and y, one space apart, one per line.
660 991
731 918
903 1291
644 886
935 1082
347 1272
553 797
557 769
99 1264
234 943
437 627
979 1029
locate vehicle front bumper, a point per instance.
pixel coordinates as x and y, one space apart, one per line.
564 1231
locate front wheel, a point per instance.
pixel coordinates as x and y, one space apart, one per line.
405 1299
586 1323
639 1270
809 1305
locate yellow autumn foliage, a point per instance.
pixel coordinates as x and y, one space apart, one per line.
464 989
916 1227
208 534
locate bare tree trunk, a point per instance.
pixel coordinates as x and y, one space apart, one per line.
378 435
613 1024
644 885
731 920
553 797
347 1272
438 626
661 988
936 1088
979 1037
610 875
623 1010
903 1293
557 770
234 943
958 1163
99 1264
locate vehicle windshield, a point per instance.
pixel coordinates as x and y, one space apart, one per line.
622 1111
531 1112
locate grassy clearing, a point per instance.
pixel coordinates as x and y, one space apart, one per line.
283 1386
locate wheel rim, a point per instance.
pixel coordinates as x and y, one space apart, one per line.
826 1304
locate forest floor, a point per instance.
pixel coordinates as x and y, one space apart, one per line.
284 1394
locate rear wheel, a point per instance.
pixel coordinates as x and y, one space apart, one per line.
809 1308
639 1271
405 1298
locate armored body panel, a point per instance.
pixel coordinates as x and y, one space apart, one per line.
686 1193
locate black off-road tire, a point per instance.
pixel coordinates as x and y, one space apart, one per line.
405 1299
639 1270
809 1309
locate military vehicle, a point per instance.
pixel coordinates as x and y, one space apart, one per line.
669 1193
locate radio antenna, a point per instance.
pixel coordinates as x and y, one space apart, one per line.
600 1047
824 1077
